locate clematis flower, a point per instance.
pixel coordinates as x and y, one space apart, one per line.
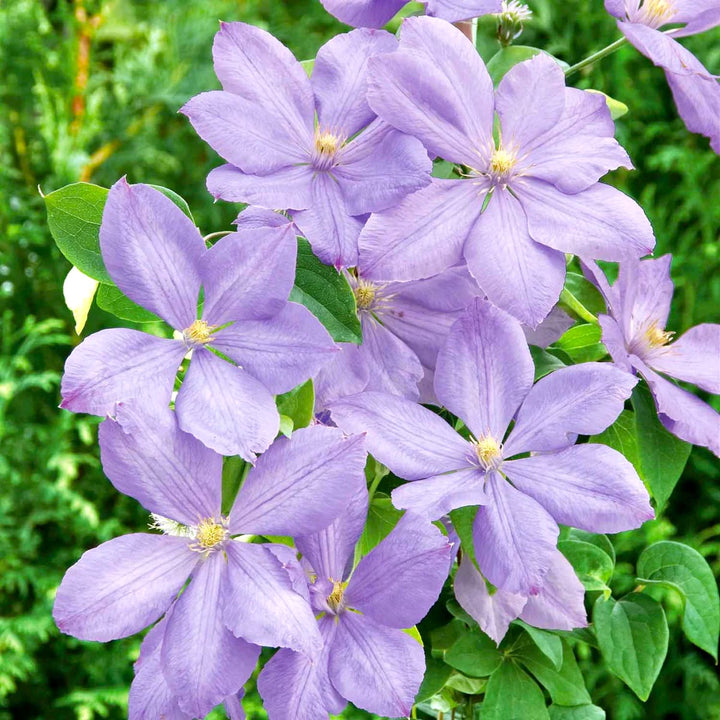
263 124
539 182
696 91
240 594
634 334
484 376
375 13
366 657
558 605
156 256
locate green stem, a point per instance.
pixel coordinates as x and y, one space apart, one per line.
376 481
572 303
214 235
599 55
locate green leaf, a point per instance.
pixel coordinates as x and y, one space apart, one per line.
437 673
308 65
474 654
442 169
582 343
600 541
414 633
286 425
662 455
584 292
179 201
678 566
456 610
593 566
74 216
508 57
549 645
233 474
462 520
298 404
633 638
566 685
327 294
381 519
512 695
578 712
617 108
110 299
622 436
466 685
545 362
443 638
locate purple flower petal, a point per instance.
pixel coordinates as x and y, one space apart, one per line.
580 148
294 686
614 342
330 551
145 455
614 227
379 669
591 487
412 441
393 367
152 251
202 660
560 603
122 586
346 374
281 351
414 555
288 187
700 15
150 695
455 10
380 167
516 273
279 496
328 225
551 329
423 234
252 218
233 706
578 400
530 100
250 62
682 413
485 369
225 407
244 133
694 357
444 99
514 539
339 78
437 496
493 613
365 13
249 274
120 366
261 605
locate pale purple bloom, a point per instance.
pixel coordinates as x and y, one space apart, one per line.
375 13
696 91
157 257
241 594
541 179
366 658
263 124
559 605
484 376
634 334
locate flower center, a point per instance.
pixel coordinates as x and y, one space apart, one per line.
335 598
502 163
657 337
209 534
489 452
326 146
655 13
365 293
198 333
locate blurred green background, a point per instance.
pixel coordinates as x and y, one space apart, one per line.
90 90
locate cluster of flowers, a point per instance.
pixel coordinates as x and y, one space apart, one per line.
452 278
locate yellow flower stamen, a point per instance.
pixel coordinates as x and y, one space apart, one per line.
656 12
502 163
365 295
334 599
657 337
327 143
489 451
209 534
199 333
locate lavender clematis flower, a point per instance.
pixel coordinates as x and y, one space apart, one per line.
540 181
262 124
635 336
484 375
696 91
240 594
559 605
375 13
366 657
157 257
